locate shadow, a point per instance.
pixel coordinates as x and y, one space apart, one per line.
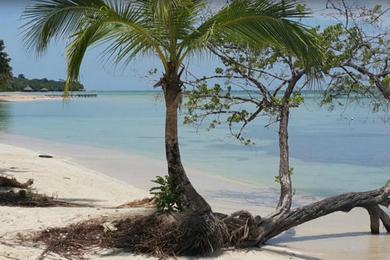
279 250
81 201
6 172
4 116
263 197
292 238
284 252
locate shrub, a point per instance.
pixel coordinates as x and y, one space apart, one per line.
168 195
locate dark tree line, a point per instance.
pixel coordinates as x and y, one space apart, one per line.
20 83
5 67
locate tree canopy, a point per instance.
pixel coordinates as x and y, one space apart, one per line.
5 67
20 83
170 30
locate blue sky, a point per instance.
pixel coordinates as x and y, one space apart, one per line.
97 74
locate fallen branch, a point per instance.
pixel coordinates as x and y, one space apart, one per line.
6 182
15 193
258 230
142 203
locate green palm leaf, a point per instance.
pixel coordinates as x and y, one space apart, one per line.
257 24
171 30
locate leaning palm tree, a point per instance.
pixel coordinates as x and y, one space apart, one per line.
173 31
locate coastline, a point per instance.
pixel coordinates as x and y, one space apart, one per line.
24 97
331 237
228 193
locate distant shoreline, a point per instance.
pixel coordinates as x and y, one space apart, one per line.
24 97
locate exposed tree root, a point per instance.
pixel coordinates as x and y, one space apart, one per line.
73 241
158 235
184 234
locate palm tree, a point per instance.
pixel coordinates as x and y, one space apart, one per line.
173 31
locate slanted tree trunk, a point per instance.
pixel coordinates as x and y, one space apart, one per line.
172 92
246 230
255 231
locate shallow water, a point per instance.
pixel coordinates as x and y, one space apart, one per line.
331 152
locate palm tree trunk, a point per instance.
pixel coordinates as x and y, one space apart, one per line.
194 202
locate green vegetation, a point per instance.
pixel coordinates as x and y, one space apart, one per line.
271 81
167 195
5 67
265 50
21 83
173 31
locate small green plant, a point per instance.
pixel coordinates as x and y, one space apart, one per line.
277 178
168 195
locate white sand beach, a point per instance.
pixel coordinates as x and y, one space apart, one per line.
339 236
23 97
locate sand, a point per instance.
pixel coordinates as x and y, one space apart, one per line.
74 183
17 97
338 236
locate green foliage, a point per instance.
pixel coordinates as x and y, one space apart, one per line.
171 30
20 82
277 178
167 194
5 67
296 99
357 55
301 8
356 66
261 89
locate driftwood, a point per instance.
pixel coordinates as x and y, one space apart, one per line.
15 193
246 230
6 182
142 203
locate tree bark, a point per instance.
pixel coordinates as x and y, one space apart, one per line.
246 230
285 199
259 230
369 200
172 93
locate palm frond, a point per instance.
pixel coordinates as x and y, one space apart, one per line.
172 30
257 24
87 22
55 19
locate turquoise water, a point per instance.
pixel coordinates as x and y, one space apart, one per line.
332 152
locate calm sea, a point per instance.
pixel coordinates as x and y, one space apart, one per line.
332 151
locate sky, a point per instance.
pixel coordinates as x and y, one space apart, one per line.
97 74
